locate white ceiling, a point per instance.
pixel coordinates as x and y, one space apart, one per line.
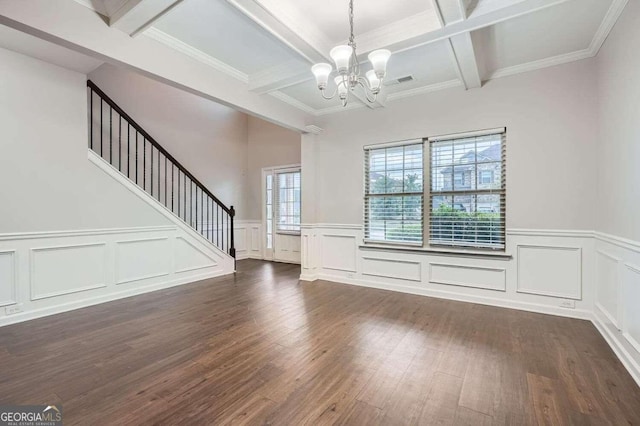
271 44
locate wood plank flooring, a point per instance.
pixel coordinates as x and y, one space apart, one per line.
262 348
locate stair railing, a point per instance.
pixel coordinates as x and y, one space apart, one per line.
118 139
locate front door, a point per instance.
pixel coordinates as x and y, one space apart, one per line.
282 214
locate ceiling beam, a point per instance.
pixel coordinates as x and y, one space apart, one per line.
465 60
460 45
475 21
134 16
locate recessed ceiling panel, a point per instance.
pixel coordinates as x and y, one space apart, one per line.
562 29
331 16
221 31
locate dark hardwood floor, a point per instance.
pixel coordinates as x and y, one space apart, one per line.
260 347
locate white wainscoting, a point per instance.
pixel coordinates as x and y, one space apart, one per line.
617 297
248 236
51 272
335 252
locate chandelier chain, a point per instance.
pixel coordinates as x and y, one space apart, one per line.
351 36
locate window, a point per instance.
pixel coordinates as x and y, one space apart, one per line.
467 211
288 202
394 194
269 212
485 177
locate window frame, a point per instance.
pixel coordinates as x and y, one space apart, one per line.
427 195
367 195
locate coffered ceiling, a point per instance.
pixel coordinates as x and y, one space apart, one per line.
436 44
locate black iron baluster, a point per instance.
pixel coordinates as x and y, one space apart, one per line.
151 180
208 220
159 173
128 148
119 142
101 131
91 115
136 156
185 198
218 221
191 202
110 135
144 163
172 168
165 181
201 209
179 193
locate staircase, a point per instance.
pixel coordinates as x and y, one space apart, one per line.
122 142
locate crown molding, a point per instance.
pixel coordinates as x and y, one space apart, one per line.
540 64
199 55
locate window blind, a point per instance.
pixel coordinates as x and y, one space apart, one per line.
394 193
467 191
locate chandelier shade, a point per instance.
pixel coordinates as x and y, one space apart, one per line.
348 70
341 56
321 71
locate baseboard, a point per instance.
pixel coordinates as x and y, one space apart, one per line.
91 301
614 341
501 303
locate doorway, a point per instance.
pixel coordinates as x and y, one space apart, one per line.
281 213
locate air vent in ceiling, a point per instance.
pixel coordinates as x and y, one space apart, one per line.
398 80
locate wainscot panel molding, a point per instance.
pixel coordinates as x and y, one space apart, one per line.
248 236
66 269
468 276
8 277
51 272
392 268
550 271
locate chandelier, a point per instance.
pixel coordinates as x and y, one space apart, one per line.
348 69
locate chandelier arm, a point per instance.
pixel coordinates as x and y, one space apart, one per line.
335 92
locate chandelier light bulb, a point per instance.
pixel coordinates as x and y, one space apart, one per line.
321 71
341 56
378 59
374 81
342 86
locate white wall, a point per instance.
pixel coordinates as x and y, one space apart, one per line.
550 116
47 182
209 139
618 65
269 145
617 299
